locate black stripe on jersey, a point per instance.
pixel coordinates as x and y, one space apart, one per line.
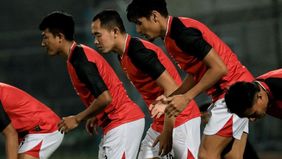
189 40
145 59
87 72
4 118
275 86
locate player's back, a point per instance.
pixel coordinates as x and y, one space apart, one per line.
25 111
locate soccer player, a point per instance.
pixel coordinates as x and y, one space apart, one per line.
210 65
153 74
25 120
99 88
256 99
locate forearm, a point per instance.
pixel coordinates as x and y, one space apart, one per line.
11 137
169 123
210 78
12 147
97 106
186 85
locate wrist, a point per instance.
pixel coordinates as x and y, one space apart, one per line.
187 97
77 119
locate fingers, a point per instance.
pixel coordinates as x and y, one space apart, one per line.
89 127
62 126
151 106
156 142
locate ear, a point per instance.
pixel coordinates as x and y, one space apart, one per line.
116 31
155 16
61 37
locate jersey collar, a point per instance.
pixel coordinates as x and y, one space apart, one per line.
168 26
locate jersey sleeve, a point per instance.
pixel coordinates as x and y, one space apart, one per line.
88 72
146 60
4 118
190 40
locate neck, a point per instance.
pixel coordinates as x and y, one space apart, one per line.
120 44
164 25
67 48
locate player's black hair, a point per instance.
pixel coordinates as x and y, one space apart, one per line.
59 22
143 8
240 96
110 19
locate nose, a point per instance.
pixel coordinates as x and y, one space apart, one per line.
42 43
96 41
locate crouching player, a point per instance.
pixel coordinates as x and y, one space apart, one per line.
25 120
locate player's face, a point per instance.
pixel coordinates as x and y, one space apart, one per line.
258 110
50 42
148 28
104 38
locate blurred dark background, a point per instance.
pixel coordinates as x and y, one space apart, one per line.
253 29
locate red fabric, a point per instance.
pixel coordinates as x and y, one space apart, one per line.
122 109
34 152
149 88
190 64
123 156
227 129
190 155
25 111
275 109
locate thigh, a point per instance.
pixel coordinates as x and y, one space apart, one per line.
238 148
26 156
213 145
147 151
40 145
186 139
122 141
225 124
133 135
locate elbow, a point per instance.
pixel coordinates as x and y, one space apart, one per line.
107 98
224 70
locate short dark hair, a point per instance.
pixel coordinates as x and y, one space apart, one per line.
240 97
59 22
143 8
110 19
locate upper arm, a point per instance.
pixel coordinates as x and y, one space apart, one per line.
89 74
213 60
166 82
189 39
147 61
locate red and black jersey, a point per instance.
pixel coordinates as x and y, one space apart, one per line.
189 41
91 75
144 62
272 82
26 113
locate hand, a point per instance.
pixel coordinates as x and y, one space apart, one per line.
205 116
91 126
67 124
176 104
157 108
165 143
